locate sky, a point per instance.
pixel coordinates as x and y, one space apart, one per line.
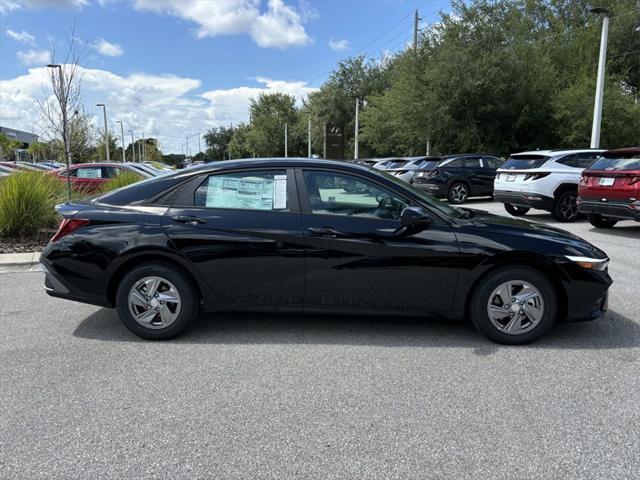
174 68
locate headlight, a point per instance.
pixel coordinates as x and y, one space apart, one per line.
589 263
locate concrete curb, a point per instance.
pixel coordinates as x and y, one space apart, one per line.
19 259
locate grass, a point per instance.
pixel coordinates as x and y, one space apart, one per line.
27 201
122 180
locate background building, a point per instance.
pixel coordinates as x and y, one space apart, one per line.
25 139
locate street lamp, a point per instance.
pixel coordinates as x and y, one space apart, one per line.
597 107
65 127
106 129
124 158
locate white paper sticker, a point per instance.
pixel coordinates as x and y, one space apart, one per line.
279 192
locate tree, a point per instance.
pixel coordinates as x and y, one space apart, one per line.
100 153
39 151
238 146
217 140
7 145
269 114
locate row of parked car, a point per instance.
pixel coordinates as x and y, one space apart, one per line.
603 185
88 177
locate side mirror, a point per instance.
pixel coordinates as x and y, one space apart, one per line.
415 217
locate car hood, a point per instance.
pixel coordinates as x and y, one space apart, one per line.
570 244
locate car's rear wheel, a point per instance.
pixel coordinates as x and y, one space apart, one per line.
599 221
458 193
156 301
516 210
566 208
514 305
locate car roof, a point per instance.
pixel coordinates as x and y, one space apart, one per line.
98 164
619 152
553 153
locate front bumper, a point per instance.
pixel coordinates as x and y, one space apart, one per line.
435 189
524 199
608 209
587 292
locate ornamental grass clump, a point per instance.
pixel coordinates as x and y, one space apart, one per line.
122 180
27 201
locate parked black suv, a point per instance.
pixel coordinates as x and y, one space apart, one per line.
458 177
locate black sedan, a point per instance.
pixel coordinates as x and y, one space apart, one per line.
458 177
315 236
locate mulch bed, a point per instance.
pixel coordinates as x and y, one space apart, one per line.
26 244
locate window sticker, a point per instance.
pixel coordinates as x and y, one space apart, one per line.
280 192
251 193
89 173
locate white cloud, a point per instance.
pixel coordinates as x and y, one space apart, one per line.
22 37
279 25
107 48
167 107
7 6
34 57
338 45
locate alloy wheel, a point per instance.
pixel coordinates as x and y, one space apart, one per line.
154 302
459 193
568 207
515 307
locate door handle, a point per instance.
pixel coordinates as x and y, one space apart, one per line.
325 232
189 220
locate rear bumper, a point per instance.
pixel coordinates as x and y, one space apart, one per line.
55 286
524 199
608 209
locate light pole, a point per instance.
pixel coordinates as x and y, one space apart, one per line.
106 129
65 126
144 149
309 138
597 107
286 141
124 158
355 134
133 147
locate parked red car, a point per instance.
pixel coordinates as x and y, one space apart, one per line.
88 177
609 189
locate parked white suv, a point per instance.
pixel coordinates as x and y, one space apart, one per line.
543 179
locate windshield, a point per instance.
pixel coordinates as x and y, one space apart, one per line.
395 164
443 208
428 164
525 162
630 162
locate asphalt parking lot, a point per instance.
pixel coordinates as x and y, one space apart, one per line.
265 396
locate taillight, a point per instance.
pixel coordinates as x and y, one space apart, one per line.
67 226
535 176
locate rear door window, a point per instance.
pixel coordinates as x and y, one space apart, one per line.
525 162
253 190
472 162
89 172
492 162
456 163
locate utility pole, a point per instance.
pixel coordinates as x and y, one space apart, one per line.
355 134
416 19
286 151
144 149
106 129
199 149
133 147
139 151
597 107
187 146
428 147
124 158
309 137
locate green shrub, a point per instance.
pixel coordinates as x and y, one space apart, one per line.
122 180
27 201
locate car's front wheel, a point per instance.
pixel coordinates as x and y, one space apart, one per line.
599 221
566 208
514 305
156 301
458 193
516 210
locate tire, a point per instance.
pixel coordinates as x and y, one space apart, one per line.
177 306
458 193
543 306
516 210
565 208
599 221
